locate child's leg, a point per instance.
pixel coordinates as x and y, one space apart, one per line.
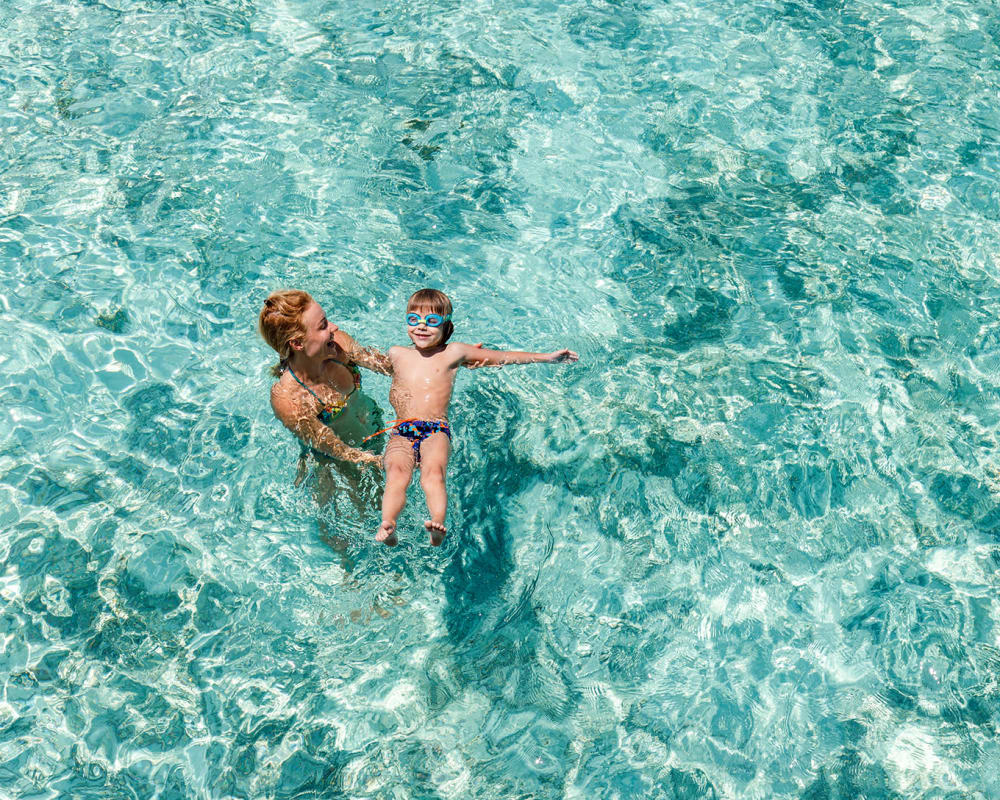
434 452
398 471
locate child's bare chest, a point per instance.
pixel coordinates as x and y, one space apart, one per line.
415 369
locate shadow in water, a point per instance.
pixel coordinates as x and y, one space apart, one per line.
498 644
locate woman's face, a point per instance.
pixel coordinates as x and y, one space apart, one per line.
318 338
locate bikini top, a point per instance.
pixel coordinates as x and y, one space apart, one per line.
330 411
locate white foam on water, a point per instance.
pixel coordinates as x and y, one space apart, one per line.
915 764
961 567
298 36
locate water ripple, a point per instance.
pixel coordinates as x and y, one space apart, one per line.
746 548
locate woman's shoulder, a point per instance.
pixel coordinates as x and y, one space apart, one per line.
285 399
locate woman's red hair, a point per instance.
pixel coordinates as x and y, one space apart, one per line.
281 321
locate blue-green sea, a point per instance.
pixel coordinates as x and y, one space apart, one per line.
747 547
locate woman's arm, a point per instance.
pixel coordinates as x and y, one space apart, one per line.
477 357
367 357
314 433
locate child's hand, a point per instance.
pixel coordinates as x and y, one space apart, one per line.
375 461
563 355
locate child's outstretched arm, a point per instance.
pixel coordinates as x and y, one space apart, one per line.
473 357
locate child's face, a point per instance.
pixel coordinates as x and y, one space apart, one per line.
423 335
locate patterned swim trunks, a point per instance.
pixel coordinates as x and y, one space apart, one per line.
418 429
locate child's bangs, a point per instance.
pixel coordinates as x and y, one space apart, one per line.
429 301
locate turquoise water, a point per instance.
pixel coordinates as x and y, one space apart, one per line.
746 548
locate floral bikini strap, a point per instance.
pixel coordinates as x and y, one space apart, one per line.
354 371
300 383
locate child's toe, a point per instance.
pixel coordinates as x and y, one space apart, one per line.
386 534
437 531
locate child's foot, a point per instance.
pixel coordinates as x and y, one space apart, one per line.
387 533
437 531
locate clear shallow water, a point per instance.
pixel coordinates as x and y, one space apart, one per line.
746 548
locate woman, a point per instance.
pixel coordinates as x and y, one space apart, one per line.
318 392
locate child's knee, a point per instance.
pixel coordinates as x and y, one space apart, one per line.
431 477
398 473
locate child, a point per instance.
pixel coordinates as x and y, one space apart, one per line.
423 377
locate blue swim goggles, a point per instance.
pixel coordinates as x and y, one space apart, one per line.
431 320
